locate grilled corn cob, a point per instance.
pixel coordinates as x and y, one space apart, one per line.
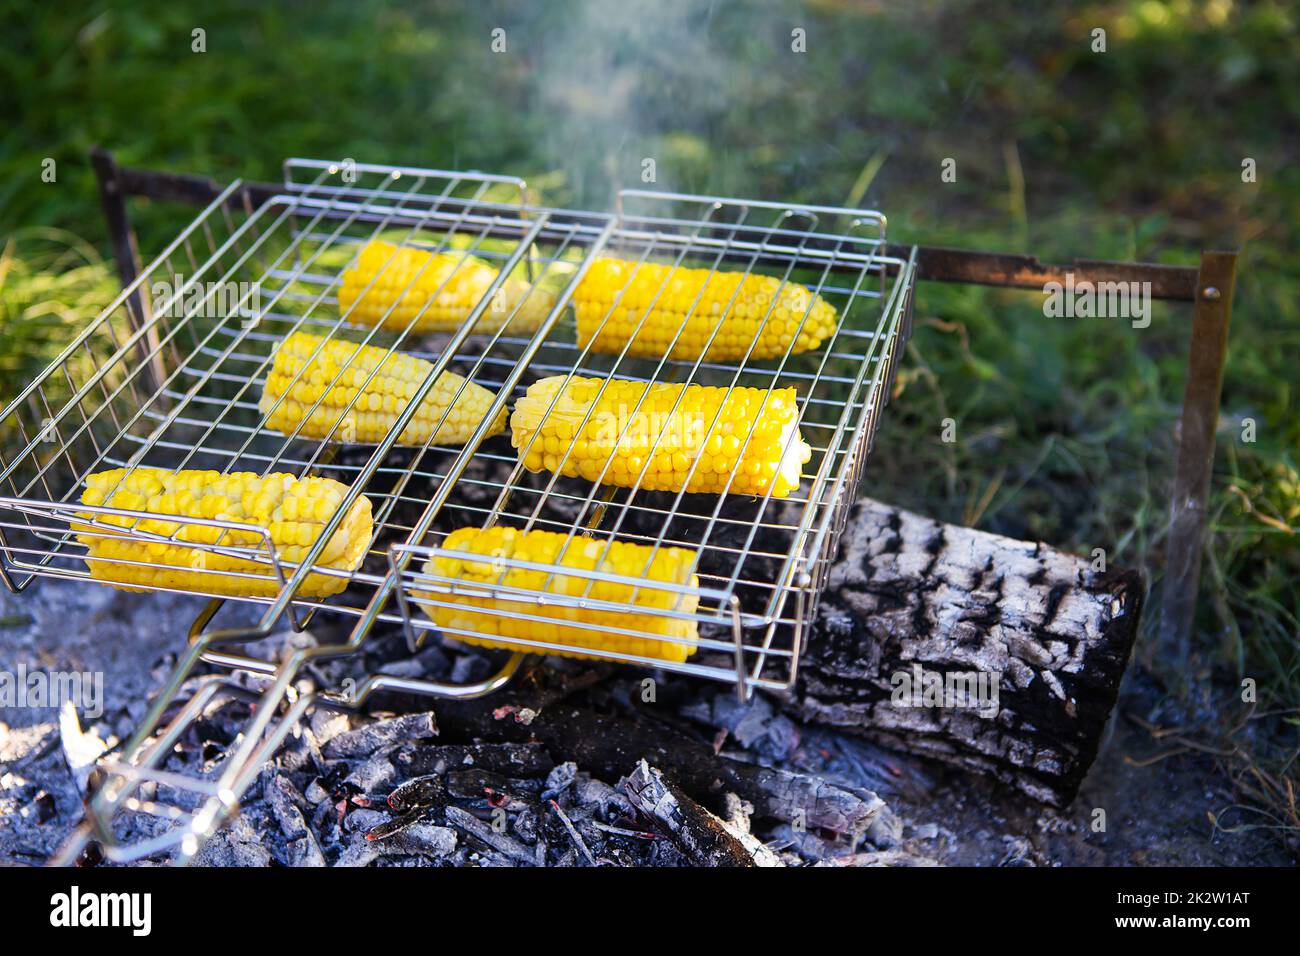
742 440
649 304
491 629
307 367
450 284
293 509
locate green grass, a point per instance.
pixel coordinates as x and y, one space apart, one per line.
1065 427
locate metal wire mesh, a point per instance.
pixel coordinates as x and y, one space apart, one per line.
757 557
170 375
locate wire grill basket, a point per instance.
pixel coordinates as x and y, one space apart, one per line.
170 376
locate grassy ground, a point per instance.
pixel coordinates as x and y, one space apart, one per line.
1065 427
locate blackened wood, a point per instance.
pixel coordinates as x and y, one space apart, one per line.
366 739
502 843
697 832
907 590
611 746
511 760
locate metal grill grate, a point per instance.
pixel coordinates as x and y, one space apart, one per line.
171 373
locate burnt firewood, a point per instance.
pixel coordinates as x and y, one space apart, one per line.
421 793
369 738
287 804
611 746
508 760
397 825
1051 634
507 846
477 789
699 834
579 843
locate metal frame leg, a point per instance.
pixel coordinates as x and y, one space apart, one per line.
1205 363
127 254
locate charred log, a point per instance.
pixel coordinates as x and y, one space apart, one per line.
910 597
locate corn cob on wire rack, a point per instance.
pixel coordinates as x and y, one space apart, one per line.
170 375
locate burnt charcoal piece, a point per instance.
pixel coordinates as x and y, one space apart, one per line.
697 832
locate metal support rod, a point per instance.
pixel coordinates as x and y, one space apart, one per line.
1017 271
112 197
1208 355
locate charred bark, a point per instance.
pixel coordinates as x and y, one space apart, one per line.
1053 635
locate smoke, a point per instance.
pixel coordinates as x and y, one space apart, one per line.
625 94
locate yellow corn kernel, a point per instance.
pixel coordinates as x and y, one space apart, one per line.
657 636
293 509
648 304
308 369
662 437
394 286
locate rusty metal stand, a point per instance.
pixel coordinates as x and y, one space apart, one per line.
112 198
1210 289
1207 356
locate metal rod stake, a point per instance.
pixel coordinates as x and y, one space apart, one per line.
1206 360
